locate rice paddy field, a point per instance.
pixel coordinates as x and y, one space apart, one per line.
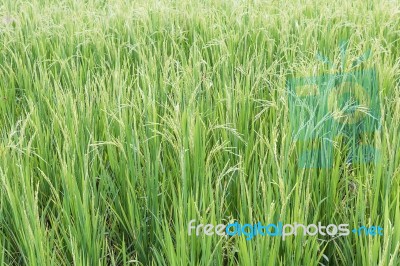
122 121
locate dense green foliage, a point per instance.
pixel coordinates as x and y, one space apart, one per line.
123 120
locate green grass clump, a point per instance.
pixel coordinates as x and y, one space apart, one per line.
121 121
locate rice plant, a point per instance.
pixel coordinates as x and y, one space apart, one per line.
122 120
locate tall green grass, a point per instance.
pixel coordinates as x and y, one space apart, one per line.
121 121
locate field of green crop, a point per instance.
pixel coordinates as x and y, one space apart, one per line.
121 121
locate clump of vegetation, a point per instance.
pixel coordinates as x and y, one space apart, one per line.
121 121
